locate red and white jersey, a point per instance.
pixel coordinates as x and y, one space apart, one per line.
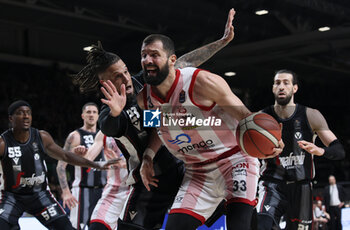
118 176
192 132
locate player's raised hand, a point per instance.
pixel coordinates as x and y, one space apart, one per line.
229 29
110 154
115 101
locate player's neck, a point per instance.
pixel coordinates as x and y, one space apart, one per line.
89 128
285 111
21 136
162 90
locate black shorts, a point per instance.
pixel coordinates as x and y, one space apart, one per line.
147 209
41 205
87 197
293 200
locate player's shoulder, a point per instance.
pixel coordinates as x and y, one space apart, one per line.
312 112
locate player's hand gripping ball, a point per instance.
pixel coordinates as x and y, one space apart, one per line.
258 134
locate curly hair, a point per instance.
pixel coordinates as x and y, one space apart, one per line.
98 60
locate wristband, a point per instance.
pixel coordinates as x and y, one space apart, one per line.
149 152
335 151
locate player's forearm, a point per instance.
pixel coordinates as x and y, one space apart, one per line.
75 159
198 56
109 125
62 176
154 145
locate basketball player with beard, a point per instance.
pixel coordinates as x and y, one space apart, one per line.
285 184
121 118
216 169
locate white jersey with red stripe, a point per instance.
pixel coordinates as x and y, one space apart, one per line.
204 138
181 130
111 203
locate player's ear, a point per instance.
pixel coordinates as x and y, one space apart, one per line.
172 59
295 88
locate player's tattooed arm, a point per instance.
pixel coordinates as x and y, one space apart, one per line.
61 165
69 200
198 56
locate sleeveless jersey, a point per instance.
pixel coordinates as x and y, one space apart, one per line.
23 164
293 164
193 133
88 177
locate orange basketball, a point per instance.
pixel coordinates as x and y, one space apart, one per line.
258 134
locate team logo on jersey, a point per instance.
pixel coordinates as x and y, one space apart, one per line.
267 207
132 214
182 97
1 211
186 139
180 139
17 168
151 118
35 147
298 135
36 156
292 160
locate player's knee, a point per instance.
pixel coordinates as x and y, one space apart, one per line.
239 216
182 221
265 222
128 226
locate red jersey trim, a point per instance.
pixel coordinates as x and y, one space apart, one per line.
171 91
194 76
188 212
144 91
104 141
101 222
243 200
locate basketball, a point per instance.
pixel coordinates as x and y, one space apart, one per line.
258 134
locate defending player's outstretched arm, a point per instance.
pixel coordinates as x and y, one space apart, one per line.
198 56
58 153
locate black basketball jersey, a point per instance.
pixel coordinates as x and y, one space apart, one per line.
293 164
132 138
88 177
23 165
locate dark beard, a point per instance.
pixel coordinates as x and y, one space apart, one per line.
159 78
283 101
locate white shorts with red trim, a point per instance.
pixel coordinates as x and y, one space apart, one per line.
234 178
110 206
